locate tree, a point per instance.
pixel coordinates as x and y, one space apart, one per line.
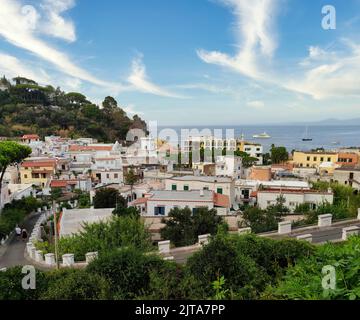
11 153
247 160
108 198
278 154
109 103
72 284
260 220
127 270
130 179
183 227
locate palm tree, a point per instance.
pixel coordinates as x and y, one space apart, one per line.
131 178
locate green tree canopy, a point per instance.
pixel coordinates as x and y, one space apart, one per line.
108 198
183 227
278 154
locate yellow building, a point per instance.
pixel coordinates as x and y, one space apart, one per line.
313 159
37 172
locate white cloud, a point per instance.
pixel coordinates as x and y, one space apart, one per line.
329 74
12 67
55 25
139 81
257 104
130 109
17 26
255 36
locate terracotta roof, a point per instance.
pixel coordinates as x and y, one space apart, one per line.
62 183
299 191
221 200
58 184
140 201
89 148
104 159
42 171
47 163
30 136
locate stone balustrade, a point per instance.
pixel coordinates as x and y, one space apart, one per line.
350 231
284 227
91 256
305 237
324 220
50 259
164 247
204 239
244 230
68 260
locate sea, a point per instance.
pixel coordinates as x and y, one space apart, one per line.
329 137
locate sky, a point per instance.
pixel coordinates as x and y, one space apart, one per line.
192 62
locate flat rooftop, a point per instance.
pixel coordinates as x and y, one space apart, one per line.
209 179
72 221
182 195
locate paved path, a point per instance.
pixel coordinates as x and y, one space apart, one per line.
14 254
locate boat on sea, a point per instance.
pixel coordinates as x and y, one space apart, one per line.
306 136
263 135
335 142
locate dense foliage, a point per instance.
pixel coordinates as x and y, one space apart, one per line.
102 237
230 267
109 198
14 213
305 279
183 227
260 220
27 107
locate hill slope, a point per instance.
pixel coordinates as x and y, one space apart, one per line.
26 107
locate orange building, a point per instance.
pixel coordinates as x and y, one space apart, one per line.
260 173
348 159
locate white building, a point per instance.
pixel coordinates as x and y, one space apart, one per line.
160 203
229 166
293 198
254 150
245 188
221 185
72 221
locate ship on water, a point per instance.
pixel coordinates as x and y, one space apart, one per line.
263 135
306 136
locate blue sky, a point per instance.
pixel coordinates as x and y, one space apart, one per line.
188 62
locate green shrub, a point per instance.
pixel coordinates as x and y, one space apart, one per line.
72 284
127 270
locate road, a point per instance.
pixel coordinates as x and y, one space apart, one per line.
14 254
328 234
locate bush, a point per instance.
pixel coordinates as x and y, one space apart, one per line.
183 227
127 270
304 280
11 287
72 284
104 236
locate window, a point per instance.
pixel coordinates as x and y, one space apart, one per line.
186 188
25 176
329 159
116 176
159 211
107 176
315 158
322 159
219 190
308 158
206 188
174 187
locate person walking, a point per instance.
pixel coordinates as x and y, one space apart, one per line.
24 234
18 232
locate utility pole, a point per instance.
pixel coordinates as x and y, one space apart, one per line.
56 237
